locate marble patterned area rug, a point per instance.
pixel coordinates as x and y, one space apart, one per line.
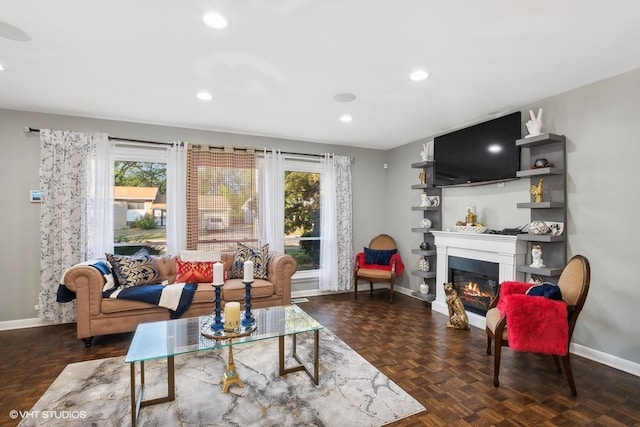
352 392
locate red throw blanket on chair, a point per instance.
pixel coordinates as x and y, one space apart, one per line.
534 324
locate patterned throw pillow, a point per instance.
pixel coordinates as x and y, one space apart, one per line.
258 256
194 271
378 256
134 270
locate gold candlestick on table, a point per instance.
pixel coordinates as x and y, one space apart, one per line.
230 374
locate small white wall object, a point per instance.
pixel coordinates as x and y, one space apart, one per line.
534 126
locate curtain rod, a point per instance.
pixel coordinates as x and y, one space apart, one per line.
293 153
261 152
111 138
29 129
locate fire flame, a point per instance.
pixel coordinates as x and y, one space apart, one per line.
472 289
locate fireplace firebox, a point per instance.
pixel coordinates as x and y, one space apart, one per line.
475 281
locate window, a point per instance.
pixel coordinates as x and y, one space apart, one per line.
302 213
221 199
139 197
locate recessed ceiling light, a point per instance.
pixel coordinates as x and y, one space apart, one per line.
344 97
419 75
494 148
345 118
215 21
1 67
204 96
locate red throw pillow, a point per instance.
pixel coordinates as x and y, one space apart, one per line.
194 271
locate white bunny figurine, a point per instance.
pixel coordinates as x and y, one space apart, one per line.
535 124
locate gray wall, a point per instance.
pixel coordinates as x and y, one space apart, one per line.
20 226
600 122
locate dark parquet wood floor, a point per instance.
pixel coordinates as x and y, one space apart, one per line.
448 371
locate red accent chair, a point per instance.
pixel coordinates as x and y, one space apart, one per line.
380 247
537 322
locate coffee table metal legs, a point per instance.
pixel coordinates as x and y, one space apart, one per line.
137 395
301 366
230 375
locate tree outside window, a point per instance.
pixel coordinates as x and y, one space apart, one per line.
302 218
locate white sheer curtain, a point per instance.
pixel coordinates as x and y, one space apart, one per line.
271 206
100 190
336 247
177 198
69 164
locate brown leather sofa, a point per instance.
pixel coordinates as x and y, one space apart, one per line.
104 316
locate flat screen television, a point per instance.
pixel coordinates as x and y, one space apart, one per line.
479 154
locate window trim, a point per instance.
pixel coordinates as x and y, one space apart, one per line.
135 153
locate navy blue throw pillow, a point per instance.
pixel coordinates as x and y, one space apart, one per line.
378 256
547 290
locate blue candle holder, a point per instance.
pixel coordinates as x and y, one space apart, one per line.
217 324
248 319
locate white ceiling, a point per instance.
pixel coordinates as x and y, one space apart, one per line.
276 68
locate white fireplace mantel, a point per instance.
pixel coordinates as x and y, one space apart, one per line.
507 251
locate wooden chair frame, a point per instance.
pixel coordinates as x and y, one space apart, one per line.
380 242
575 299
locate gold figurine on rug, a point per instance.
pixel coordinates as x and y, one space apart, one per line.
458 318
536 191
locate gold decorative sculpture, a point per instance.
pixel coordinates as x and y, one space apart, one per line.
536 191
422 176
458 318
471 217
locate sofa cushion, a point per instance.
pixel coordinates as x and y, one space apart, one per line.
166 265
258 256
135 270
204 294
194 271
233 289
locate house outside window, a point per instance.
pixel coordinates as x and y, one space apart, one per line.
139 193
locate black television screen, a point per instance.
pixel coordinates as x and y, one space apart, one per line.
478 154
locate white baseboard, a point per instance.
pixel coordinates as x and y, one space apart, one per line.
361 287
577 349
23 323
606 359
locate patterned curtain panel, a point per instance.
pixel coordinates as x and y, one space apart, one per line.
336 250
221 198
64 166
342 165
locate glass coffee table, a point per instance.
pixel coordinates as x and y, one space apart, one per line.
169 338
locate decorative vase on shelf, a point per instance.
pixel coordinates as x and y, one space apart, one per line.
425 246
423 264
424 288
425 223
